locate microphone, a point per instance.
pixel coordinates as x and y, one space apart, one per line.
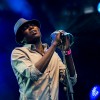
63 37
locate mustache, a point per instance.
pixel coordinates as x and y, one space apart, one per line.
33 31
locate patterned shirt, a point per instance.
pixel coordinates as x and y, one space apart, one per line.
34 85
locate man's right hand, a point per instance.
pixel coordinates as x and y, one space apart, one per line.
56 37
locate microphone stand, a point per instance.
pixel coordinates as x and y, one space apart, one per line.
69 92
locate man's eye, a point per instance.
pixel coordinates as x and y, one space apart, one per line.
24 28
32 24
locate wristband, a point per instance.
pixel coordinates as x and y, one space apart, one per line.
68 52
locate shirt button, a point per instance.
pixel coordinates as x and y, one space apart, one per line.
50 97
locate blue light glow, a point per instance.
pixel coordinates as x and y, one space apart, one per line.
98 7
95 92
20 6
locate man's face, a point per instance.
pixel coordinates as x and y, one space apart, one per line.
32 33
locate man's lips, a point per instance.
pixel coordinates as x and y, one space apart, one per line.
33 32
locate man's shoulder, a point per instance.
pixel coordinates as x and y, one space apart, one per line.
19 49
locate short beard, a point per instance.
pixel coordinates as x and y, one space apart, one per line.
36 40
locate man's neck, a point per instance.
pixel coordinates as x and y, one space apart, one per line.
39 47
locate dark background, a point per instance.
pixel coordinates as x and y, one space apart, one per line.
79 17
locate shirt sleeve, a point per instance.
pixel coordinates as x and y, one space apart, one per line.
22 64
63 70
74 79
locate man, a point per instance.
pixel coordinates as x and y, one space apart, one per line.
36 66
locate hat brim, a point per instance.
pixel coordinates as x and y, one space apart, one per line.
19 35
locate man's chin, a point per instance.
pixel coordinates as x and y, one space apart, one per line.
35 40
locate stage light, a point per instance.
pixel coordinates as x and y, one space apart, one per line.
94 93
98 7
88 10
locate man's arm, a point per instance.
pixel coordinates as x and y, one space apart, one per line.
70 64
41 65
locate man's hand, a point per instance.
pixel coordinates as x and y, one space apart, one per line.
56 37
62 44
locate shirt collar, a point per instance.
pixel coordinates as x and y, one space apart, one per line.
32 46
